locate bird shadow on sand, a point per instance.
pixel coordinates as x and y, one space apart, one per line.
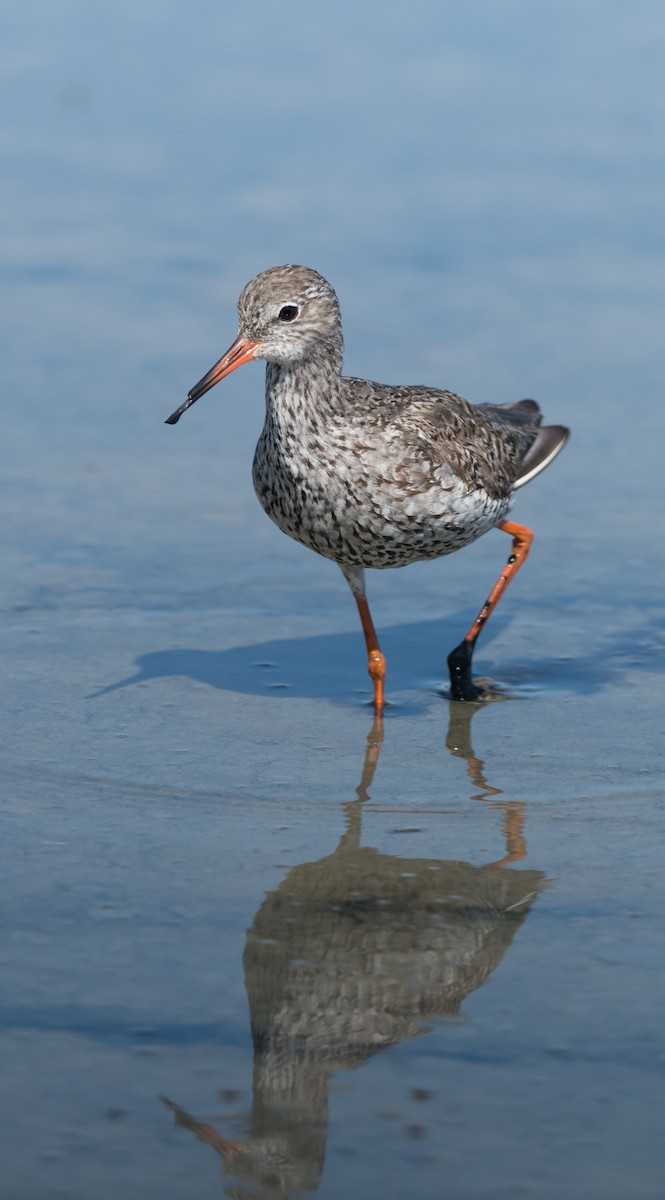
332 666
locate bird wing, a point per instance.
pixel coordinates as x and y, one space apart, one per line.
483 445
497 447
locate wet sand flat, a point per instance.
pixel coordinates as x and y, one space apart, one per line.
253 939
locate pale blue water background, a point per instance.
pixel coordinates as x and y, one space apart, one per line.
484 185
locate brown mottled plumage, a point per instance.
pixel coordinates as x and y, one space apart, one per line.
368 474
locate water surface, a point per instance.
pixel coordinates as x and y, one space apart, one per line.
253 940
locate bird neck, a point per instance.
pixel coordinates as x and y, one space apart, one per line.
307 392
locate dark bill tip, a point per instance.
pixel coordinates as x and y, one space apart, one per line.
175 416
240 352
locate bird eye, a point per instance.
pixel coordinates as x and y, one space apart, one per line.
289 312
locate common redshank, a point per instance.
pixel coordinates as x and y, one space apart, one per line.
369 474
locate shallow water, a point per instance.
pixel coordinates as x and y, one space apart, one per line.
253 940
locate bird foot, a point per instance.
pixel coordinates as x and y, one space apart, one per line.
462 686
377 670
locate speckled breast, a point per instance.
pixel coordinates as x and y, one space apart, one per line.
362 508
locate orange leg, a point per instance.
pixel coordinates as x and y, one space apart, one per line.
376 663
462 686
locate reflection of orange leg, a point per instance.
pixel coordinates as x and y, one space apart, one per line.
205 1133
374 743
376 663
462 686
475 769
513 831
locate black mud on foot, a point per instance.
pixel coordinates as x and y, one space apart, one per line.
462 686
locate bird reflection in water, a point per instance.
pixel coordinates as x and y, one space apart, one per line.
353 954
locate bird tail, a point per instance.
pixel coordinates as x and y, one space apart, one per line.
550 441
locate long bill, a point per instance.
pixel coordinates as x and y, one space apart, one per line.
240 352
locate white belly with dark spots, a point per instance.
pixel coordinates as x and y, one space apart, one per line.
368 509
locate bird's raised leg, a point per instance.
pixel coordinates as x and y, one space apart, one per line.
376 663
462 686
